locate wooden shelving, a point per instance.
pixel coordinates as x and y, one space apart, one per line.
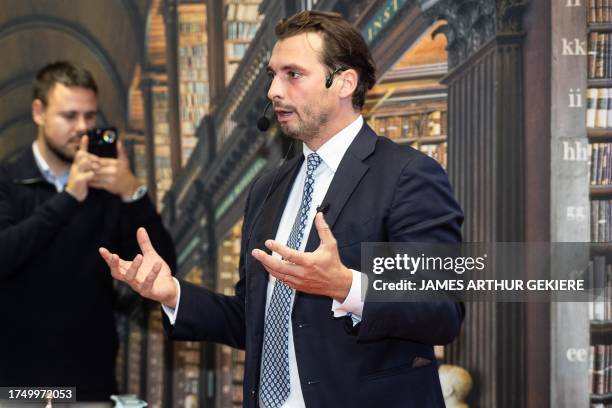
599 135
599 83
600 27
601 192
601 397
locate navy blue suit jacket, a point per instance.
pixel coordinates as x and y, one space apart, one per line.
380 192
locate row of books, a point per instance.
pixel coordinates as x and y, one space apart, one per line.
599 282
600 369
194 75
599 108
600 11
192 27
193 87
601 221
241 30
193 51
194 100
242 11
438 152
600 164
237 50
410 126
193 115
134 359
599 61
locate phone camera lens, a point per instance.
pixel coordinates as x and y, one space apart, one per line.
109 136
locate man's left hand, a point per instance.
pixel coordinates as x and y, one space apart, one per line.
115 175
320 272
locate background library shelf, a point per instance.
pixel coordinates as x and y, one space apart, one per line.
601 326
600 83
601 397
600 27
600 332
601 192
600 135
423 140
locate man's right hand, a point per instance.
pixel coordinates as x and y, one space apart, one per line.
148 274
82 171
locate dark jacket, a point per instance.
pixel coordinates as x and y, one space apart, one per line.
381 192
56 293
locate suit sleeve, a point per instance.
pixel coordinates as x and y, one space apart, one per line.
423 209
22 239
204 315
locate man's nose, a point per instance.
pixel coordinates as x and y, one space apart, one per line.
276 89
82 124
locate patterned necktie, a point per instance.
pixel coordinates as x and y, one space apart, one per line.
275 365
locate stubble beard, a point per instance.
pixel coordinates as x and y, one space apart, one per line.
60 152
307 129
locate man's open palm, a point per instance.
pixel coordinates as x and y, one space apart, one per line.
148 274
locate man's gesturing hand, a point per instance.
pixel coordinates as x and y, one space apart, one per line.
147 274
320 272
82 171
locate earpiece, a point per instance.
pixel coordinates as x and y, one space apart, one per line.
330 78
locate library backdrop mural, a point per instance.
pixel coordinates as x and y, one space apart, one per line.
513 98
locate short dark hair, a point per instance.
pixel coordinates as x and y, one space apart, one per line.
65 73
343 46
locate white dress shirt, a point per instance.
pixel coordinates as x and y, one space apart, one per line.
58 181
331 154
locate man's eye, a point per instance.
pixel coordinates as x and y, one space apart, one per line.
70 116
294 75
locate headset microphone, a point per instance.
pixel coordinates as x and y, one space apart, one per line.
330 78
263 123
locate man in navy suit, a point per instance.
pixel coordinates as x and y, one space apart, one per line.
310 338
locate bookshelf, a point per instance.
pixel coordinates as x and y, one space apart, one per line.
408 104
155 360
161 130
599 136
187 359
230 365
242 20
422 126
193 73
134 359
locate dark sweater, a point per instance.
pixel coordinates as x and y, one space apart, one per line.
56 293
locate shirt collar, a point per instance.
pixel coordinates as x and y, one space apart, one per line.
334 149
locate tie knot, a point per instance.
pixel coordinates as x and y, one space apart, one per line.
313 161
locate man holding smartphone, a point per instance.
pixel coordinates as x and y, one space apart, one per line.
58 204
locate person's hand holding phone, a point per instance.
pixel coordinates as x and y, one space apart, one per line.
115 175
82 172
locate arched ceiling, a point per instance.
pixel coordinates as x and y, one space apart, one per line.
107 37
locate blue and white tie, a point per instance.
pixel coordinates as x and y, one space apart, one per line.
275 361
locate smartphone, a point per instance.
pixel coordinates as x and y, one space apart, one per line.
103 142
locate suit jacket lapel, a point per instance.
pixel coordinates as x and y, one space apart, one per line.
350 171
267 223
265 227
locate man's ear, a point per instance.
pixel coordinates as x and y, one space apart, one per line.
348 83
38 112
